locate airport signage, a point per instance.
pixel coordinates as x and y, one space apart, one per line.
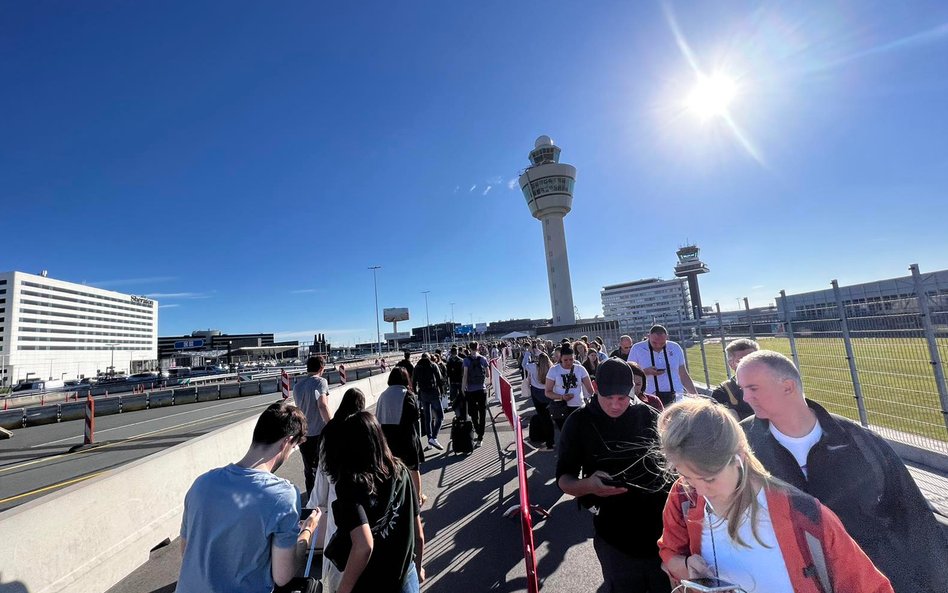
186 344
140 300
464 330
398 336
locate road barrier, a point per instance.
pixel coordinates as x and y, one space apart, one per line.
130 509
207 393
88 436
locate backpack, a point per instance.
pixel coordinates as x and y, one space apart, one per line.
475 374
540 429
455 369
807 521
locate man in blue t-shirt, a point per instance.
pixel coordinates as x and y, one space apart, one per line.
241 527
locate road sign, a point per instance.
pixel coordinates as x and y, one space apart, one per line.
464 330
186 344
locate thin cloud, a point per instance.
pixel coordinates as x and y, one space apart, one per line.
512 184
125 281
306 291
495 180
489 187
178 295
757 287
168 306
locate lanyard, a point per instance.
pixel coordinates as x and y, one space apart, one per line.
671 384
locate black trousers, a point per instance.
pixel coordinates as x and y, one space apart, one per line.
623 573
475 408
309 451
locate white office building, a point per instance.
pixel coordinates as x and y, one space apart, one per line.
638 305
51 329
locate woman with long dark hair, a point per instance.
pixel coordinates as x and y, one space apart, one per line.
379 542
324 493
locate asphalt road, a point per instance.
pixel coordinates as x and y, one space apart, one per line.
37 461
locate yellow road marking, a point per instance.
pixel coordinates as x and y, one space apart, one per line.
123 441
45 488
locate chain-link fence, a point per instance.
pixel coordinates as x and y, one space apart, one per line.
878 363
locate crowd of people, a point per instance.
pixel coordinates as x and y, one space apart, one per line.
753 488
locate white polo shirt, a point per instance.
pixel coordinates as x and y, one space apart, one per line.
640 354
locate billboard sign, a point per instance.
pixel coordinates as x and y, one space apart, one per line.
464 330
398 336
481 328
396 314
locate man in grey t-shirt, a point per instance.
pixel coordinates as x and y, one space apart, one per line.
311 394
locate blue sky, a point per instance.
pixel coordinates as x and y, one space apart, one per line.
245 162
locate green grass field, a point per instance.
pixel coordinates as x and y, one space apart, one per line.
895 373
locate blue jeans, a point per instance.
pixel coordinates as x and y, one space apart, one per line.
432 415
410 584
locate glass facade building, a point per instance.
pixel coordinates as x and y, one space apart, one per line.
638 305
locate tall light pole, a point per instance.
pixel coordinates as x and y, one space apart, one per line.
378 329
427 321
454 329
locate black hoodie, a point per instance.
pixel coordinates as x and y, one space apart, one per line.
591 441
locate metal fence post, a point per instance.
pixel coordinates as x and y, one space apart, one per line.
850 356
937 368
750 319
788 327
681 342
704 357
727 367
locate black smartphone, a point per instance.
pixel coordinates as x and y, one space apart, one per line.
305 513
707 585
615 482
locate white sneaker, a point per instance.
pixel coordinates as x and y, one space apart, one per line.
434 443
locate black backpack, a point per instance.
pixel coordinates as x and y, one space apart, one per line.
475 374
455 368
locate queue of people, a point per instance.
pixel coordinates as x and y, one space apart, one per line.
755 489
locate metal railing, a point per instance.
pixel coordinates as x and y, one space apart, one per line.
882 367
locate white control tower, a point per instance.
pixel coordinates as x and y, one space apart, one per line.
548 187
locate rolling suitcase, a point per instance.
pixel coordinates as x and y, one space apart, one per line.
462 436
540 430
305 583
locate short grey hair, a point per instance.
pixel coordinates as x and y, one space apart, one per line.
625 337
741 345
781 367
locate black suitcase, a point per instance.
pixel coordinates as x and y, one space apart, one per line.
540 430
462 436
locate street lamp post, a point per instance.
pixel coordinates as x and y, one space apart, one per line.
378 329
454 329
427 322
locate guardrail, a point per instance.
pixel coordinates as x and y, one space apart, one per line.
26 417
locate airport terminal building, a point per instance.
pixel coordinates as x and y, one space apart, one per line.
638 305
53 330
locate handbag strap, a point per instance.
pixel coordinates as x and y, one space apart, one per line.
671 383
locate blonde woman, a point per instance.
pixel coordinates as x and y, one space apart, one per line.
537 368
726 517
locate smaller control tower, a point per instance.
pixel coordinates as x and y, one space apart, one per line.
548 187
689 266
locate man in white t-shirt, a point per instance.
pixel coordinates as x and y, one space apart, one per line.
568 381
663 361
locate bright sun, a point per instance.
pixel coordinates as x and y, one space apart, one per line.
711 96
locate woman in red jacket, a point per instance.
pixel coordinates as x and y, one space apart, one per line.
726 517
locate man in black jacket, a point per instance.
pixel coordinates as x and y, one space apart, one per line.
849 469
729 394
604 460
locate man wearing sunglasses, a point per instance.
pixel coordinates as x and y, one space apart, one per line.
241 528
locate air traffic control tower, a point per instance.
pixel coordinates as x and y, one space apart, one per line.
547 185
689 266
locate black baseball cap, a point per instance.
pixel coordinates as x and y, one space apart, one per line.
614 377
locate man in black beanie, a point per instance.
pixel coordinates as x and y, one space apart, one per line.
604 460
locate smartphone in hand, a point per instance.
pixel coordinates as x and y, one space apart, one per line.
707 585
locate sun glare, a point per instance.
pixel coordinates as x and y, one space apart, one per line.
711 96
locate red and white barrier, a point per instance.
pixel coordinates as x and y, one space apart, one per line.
89 437
342 374
285 384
